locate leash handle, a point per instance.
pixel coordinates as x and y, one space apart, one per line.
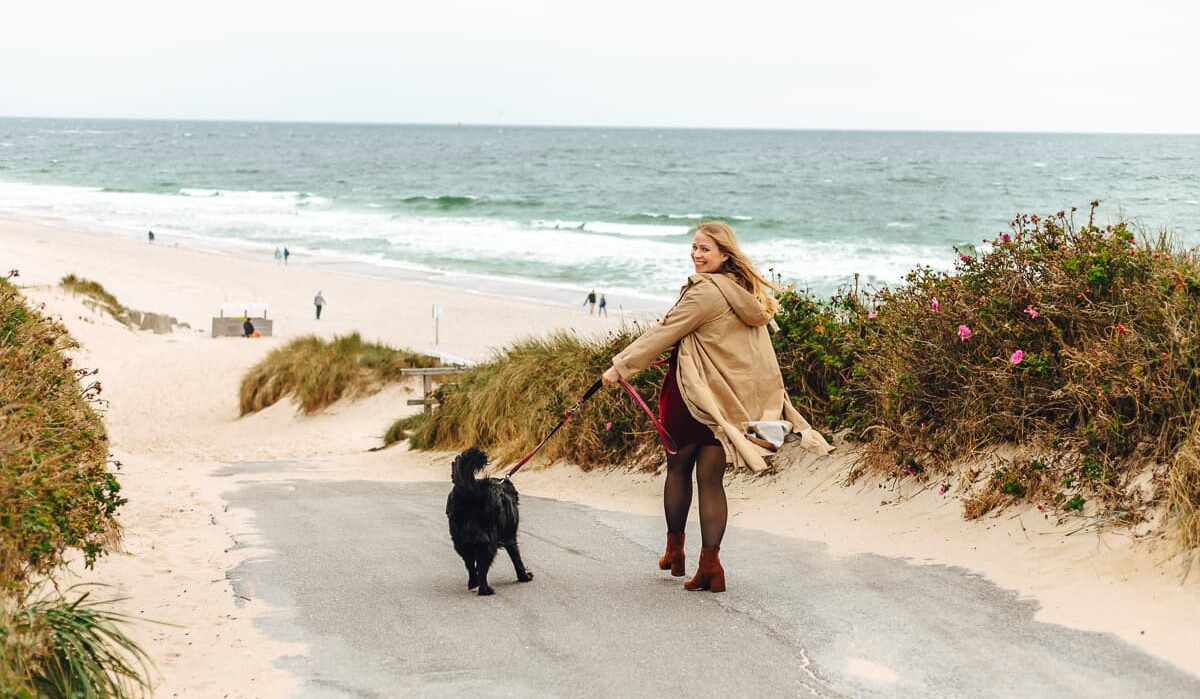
667 442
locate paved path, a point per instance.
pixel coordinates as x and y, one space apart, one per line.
368 578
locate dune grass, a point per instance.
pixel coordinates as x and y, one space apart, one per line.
510 402
54 646
1075 343
319 373
96 293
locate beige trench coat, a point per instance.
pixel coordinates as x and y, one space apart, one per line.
727 371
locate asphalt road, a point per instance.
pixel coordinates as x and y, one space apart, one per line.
367 577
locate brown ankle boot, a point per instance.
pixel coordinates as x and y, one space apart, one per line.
709 575
672 560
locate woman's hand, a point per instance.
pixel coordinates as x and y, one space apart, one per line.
611 376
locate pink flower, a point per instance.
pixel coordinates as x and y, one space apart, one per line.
1005 238
935 305
1016 357
608 426
871 314
964 333
943 488
964 258
1031 312
1121 328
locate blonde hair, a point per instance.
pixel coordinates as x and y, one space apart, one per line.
739 266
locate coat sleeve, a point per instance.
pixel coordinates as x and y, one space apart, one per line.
699 303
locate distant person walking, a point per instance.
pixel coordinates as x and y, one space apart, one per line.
278 255
286 254
319 302
150 236
590 302
248 328
603 306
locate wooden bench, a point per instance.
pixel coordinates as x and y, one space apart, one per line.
427 383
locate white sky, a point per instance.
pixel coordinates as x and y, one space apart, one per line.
928 65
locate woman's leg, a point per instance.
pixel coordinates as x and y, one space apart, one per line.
714 510
677 490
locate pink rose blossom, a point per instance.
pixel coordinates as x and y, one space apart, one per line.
871 314
1017 357
943 488
964 258
1031 312
935 305
1005 238
964 333
608 425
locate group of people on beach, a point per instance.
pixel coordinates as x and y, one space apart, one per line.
593 308
281 256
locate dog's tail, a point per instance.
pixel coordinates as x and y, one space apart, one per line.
466 465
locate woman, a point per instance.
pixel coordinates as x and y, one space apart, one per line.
723 399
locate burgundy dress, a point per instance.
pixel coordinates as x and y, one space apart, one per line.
677 420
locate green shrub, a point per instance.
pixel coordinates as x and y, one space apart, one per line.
320 373
56 491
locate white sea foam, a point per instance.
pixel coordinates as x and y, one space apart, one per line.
900 224
635 230
651 258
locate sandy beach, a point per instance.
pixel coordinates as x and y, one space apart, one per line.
173 424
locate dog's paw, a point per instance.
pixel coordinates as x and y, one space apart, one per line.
526 577
485 591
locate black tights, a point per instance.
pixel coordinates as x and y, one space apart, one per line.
709 464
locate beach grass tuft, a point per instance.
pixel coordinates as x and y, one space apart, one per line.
321 372
508 404
96 293
54 646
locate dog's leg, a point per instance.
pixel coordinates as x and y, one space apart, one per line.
484 554
468 557
515 554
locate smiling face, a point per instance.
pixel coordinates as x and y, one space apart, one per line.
706 256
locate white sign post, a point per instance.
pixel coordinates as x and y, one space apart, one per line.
437 317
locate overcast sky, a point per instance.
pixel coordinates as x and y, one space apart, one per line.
934 65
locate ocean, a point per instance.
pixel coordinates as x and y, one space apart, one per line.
550 213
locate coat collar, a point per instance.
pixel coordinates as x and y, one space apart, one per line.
741 301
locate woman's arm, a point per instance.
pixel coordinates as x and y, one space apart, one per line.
701 301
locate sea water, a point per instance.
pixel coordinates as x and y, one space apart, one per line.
553 212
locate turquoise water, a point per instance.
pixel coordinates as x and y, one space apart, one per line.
577 208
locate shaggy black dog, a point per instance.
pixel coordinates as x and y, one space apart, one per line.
483 517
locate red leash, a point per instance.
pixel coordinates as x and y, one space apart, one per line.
668 443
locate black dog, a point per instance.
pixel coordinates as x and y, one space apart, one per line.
483 517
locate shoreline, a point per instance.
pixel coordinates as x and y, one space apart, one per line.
173 422
558 294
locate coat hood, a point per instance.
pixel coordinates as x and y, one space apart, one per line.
741 301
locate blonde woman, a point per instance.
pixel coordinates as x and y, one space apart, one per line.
723 399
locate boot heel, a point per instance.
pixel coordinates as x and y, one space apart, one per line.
717 583
673 559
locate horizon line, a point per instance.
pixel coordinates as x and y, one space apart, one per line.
627 127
